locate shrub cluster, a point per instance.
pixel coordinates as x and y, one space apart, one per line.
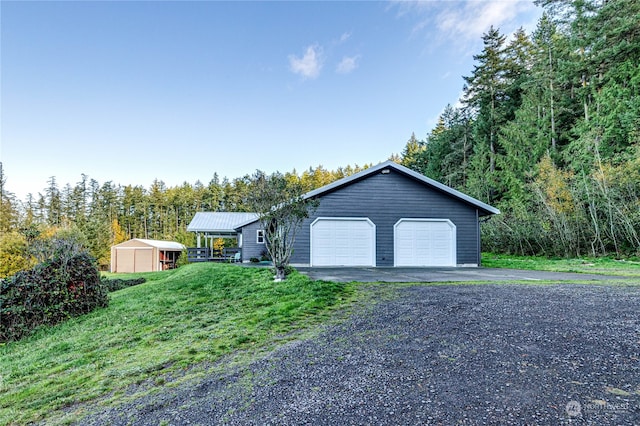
115 284
62 287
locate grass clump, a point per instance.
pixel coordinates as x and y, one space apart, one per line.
597 265
115 284
175 320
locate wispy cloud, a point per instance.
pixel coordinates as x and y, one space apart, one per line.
462 21
308 65
476 17
344 37
348 64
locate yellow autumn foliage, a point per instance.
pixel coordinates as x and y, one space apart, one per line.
555 185
14 254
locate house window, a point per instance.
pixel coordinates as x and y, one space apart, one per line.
260 236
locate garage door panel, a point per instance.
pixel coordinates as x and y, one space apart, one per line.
342 242
144 261
425 242
125 261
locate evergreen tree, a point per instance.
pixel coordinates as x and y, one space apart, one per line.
541 89
615 46
134 211
53 203
518 64
485 93
413 154
8 206
213 199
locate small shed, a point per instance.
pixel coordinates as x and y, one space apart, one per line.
141 255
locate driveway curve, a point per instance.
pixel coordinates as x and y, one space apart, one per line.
433 355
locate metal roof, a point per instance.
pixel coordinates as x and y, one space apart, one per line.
485 208
229 221
219 222
162 245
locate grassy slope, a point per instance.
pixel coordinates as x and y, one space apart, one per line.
602 265
177 319
181 318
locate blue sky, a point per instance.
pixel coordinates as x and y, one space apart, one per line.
132 91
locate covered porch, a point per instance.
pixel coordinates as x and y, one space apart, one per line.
211 226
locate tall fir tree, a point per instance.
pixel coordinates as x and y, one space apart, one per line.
484 93
8 205
413 154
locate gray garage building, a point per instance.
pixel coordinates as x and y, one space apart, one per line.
387 215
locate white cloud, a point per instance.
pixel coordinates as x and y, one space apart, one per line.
476 17
348 64
464 22
309 65
344 37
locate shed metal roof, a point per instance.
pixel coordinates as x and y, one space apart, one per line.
219 222
162 245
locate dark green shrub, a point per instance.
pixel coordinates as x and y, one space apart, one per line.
287 270
264 256
114 284
65 286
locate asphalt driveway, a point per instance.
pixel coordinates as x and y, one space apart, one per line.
424 275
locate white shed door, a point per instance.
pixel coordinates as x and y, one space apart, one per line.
125 260
425 242
343 242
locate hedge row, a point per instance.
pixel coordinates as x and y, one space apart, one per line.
115 284
53 291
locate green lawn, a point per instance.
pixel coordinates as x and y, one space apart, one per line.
601 265
171 328
159 329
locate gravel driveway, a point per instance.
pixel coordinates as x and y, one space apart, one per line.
441 355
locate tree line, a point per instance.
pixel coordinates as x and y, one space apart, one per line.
548 130
100 215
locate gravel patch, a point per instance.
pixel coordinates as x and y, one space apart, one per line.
434 355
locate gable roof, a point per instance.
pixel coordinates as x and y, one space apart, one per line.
219 222
485 209
162 245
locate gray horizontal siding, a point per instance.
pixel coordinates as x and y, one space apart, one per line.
250 248
386 198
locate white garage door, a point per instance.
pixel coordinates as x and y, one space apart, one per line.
343 242
425 242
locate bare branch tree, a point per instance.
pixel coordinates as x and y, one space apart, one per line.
281 207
